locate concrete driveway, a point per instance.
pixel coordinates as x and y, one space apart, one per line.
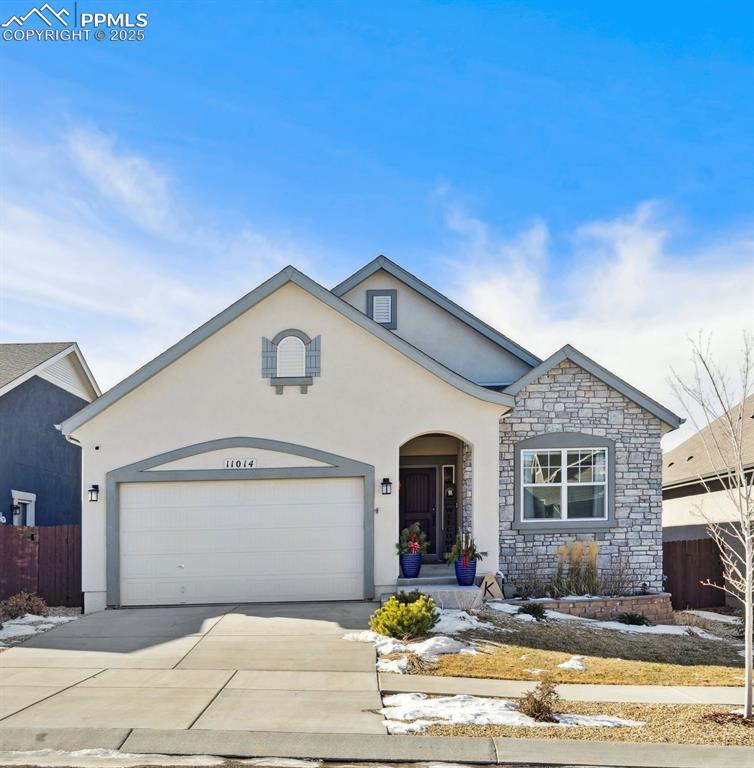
275 667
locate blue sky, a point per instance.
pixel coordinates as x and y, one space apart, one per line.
569 171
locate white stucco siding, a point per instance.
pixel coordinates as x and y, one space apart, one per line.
442 336
368 401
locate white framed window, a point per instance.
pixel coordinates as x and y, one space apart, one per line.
564 484
26 503
291 358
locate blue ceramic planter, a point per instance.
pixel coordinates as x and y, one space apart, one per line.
465 576
410 565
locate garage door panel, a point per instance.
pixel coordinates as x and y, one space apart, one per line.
239 564
236 541
298 540
261 517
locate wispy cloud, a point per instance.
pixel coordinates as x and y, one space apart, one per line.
96 246
626 297
129 180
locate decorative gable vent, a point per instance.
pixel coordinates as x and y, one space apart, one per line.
291 358
382 307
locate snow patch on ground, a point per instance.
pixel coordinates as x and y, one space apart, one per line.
414 712
436 646
30 624
428 649
454 621
382 643
93 758
508 608
10 631
535 671
33 618
712 616
616 626
575 662
399 666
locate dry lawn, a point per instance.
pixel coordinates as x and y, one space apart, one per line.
511 662
664 724
611 657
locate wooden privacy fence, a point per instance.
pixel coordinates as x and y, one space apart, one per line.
686 564
44 559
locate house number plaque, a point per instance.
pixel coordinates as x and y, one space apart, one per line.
240 463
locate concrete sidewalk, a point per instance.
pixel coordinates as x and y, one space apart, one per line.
378 748
636 694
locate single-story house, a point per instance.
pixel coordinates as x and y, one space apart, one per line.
275 452
693 493
40 472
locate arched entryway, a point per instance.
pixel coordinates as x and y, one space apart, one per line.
435 489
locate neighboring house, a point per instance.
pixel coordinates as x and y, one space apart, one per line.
692 494
276 451
40 471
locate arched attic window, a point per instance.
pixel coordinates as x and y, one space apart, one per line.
291 357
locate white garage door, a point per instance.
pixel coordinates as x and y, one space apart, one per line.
241 541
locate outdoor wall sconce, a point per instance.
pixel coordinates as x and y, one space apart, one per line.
94 493
387 486
15 509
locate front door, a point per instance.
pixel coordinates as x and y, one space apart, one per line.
418 501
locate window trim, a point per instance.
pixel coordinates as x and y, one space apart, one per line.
312 361
563 441
30 499
393 294
564 484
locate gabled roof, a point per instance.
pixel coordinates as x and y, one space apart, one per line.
382 262
569 353
698 458
19 362
287 275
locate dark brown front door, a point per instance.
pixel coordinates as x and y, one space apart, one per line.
418 501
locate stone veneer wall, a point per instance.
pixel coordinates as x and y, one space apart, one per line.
657 608
569 399
467 501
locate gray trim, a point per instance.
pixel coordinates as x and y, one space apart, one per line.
278 337
393 294
563 440
685 532
382 262
287 275
269 358
312 362
291 381
432 459
570 353
138 472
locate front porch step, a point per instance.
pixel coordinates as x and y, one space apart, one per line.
446 595
431 573
410 583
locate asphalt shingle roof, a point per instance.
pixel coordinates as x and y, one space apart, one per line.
690 460
18 359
